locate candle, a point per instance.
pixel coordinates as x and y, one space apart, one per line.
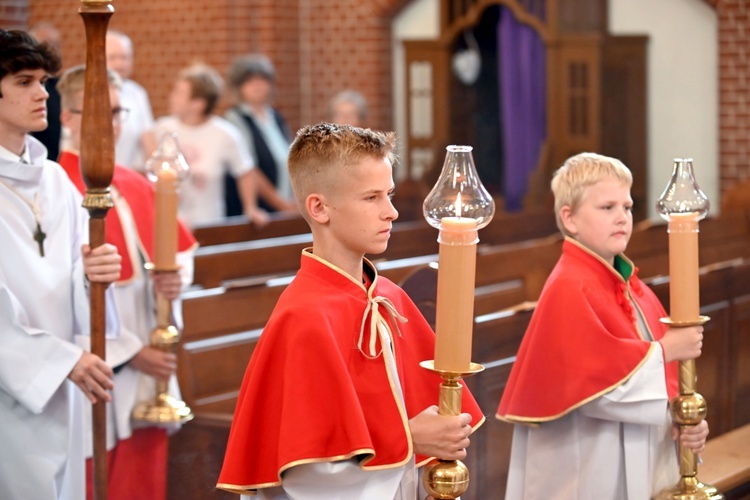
165 240
684 293
455 293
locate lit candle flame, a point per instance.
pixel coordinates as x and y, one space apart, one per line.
458 205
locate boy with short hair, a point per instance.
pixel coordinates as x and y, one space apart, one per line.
211 145
43 301
138 451
595 371
334 403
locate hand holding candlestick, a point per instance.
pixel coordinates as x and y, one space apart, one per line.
458 206
683 204
166 168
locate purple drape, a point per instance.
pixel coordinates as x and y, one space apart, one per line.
522 77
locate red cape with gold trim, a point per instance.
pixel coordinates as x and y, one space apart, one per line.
139 193
310 395
581 341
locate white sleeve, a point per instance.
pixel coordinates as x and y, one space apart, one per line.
186 263
237 153
146 114
641 400
33 363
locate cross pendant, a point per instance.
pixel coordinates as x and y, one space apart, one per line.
39 237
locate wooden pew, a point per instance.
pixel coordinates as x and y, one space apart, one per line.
280 256
496 340
238 228
222 326
726 463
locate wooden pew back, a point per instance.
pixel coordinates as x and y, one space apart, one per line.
238 228
280 255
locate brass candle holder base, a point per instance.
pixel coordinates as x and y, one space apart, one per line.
164 408
689 488
688 409
448 479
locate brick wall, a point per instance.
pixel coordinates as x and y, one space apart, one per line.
734 99
14 14
322 46
318 46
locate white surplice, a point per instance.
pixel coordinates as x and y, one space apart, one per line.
616 447
43 304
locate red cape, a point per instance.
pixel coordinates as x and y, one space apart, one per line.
139 194
582 341
309 394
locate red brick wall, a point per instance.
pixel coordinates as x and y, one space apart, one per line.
318 46
734 91
322 46
14 14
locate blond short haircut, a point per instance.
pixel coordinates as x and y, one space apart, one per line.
579 172
73 81
205 83
320 153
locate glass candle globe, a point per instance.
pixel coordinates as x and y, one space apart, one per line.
459 192
167 159
682 195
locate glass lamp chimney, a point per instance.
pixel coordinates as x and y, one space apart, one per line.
459 192
682 195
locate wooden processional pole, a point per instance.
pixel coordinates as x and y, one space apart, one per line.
97 165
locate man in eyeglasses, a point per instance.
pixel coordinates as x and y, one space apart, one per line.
134 143
138 454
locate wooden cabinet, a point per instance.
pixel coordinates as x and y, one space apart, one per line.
595 85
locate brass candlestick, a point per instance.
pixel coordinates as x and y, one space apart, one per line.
164 408
448 479
166 167
458 205
683 204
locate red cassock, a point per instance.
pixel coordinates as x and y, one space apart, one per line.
582 340
311 395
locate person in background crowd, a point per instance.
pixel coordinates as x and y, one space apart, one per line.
135 142
252 79
348 107
45 31
212 147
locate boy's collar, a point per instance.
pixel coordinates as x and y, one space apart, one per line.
8 155
622 265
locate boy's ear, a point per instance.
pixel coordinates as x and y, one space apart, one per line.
566 217
65 117
316 206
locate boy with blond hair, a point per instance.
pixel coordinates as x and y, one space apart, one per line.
334 403
590 387
138 452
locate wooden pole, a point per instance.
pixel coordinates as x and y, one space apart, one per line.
97 165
